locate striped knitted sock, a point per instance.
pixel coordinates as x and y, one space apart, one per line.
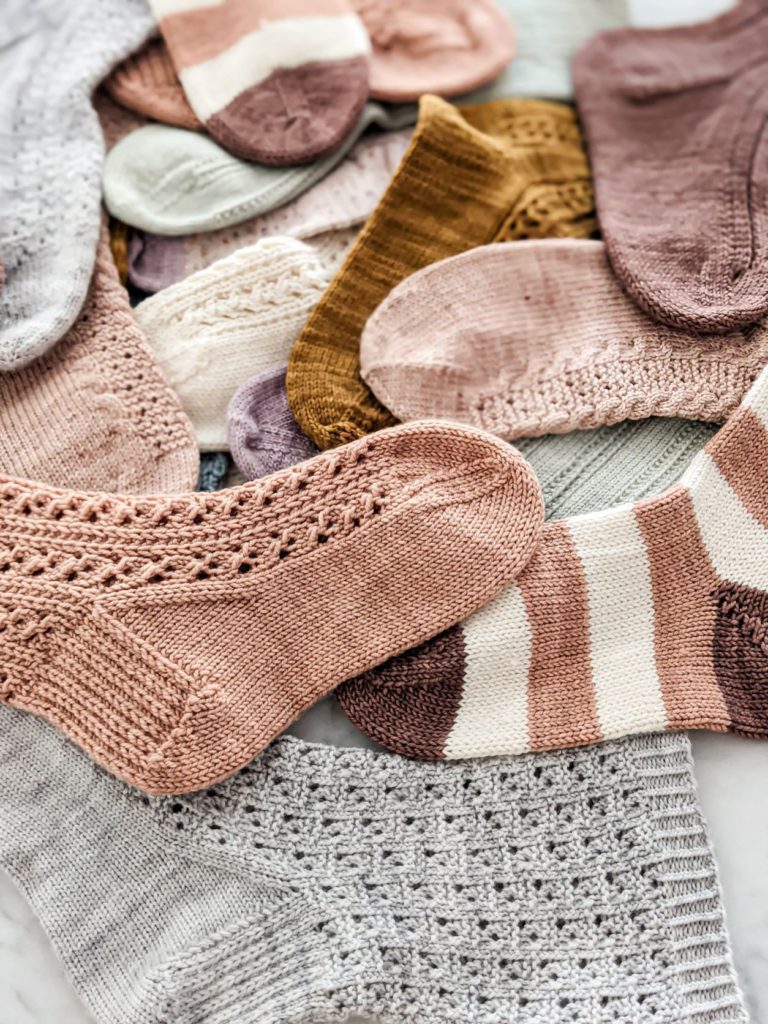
500 171
479 338
275 81
174 637
640 618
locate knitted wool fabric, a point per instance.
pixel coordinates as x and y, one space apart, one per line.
95 412
538 337
175 182
51 60
237 317
214 470
668 112
635 619
434 46
273 81
574 888
500 171
155 631
342 200
263 435
147 83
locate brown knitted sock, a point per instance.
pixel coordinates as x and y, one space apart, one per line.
147 83
173 638
96 412
675 120
494 172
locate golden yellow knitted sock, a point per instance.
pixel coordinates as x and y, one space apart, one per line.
497 171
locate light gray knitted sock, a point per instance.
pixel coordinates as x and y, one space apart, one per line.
569 888
52 56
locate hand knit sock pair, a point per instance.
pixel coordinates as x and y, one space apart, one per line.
50 138
322 883
691 254
434 46
342 200
530 338
155 633
500 171
95 413
241 315
147 83
263 434
273 81
175 182
635 619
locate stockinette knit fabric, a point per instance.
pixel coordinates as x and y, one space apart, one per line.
263 435
214 471
641 617
667 112
214 606
216 328
573 888
147 83
530 338
96 413
51 58
343 199
175 182
500 171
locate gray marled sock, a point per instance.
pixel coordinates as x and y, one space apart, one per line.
52 56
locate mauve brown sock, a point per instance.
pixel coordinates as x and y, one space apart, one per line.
675 121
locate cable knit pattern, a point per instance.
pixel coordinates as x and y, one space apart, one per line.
573 888
96 412
153 630
237 317
51 153
564 349
342 200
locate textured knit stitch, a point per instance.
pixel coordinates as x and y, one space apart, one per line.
215 329
173 638
147 83
263 435
500 171
444 47
531 338
214 470
344 199
96 413
675 122
575 888
638 618
276 81
175 182
51 153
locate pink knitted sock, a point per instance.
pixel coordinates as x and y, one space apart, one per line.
147 83
537 337
173 638
675 122
444 47
276 81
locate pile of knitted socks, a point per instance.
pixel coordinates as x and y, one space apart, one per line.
280 284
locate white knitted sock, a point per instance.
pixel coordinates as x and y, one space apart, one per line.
52 55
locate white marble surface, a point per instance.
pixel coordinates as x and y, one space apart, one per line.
732 778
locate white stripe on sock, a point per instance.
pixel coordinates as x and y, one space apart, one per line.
165 8
493 715
211 85
621 625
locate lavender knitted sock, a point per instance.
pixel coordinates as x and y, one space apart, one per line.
263 435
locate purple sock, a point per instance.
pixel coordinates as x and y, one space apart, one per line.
263 435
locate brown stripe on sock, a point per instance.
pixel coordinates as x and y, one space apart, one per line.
740 451
198 35
409 703
683 582
741 657
561 697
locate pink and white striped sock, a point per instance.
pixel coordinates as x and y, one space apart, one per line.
274 81
645 617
